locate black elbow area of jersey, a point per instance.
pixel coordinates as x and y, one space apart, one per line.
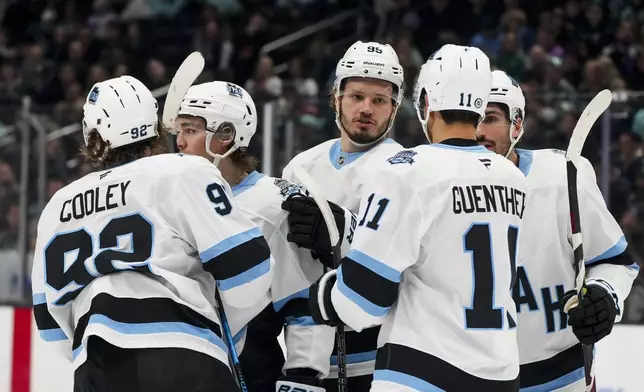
44 319
239 259
369 285
623 258
295 308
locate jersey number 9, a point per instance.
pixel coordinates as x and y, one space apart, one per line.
218 197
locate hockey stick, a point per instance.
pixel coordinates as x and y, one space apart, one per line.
187 73
334 237
232 351
591 113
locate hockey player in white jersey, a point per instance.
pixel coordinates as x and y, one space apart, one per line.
366 95
217 121
549 340
128 258
433 256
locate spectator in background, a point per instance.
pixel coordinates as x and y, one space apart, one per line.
8 184
299 76
10 82
157 75
593 30
623 50
10 225
511 58
100 19
264 85
247 46
321 62
69 111
629 156
487 39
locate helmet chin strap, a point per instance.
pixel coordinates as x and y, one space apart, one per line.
513 141
216 158
423 123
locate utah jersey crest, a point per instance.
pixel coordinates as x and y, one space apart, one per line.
287 188
404 156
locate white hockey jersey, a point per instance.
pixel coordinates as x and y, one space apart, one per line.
132 254
260 198
340 176
550 354
432 260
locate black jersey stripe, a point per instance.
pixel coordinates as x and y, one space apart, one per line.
140 311
408 366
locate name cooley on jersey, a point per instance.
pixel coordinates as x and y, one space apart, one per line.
133 254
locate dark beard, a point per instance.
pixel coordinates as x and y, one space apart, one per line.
362 137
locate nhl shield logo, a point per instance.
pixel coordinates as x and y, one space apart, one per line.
93 96
405 156
341 160
234 90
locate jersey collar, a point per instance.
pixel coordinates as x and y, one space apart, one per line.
248 182
340 159
461 144
525 160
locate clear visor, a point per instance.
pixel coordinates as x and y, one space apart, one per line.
364 96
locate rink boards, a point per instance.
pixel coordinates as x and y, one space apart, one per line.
28 365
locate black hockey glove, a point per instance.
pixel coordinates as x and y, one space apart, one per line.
307 227
594 317
300 380
320 305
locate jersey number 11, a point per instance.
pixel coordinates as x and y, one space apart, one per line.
477 241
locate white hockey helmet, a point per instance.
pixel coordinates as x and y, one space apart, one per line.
454 78
122 110
370 60
219 103
506 91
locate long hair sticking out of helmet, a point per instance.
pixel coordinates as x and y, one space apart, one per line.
369 60
120 121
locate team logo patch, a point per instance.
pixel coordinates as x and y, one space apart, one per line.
287 188
341 160
405 156
478 102
93 96
235 90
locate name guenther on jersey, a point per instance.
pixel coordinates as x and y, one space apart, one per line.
487 198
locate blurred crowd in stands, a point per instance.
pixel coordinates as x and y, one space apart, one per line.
562 52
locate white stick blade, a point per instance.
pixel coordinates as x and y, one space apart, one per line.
309 184
187 73
588 117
